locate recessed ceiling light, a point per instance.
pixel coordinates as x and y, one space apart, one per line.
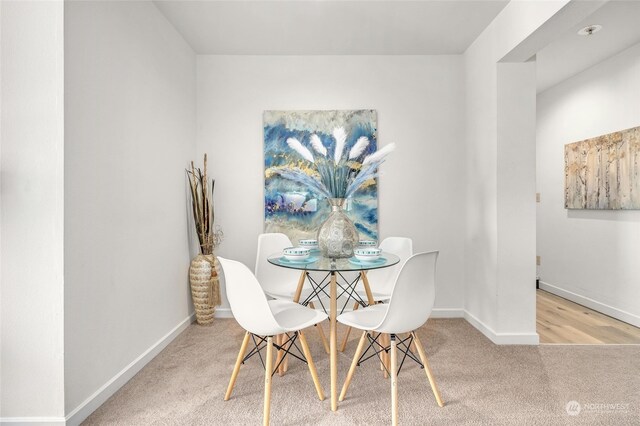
589 30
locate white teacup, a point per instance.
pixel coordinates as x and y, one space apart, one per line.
296 253
369 254
310 244
368 243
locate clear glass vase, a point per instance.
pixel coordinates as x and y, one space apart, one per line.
337 237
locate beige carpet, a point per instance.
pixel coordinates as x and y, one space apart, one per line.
481 384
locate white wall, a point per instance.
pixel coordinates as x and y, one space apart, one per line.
590 254
500 141
32 135
516 211
420 104
500 222
130 132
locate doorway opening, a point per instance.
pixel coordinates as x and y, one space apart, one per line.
588 272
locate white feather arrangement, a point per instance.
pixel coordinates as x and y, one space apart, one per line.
359 147
380 154
301 177
340 136
370 171
317 145
337 178
300 149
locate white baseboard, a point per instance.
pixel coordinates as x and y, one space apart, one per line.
40 421
447 313
502 338
616 313
223 313
497 338
436 313
88 406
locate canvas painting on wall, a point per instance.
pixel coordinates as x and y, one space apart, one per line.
289 207
604 172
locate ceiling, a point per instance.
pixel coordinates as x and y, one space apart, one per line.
391 27
572 53
307 27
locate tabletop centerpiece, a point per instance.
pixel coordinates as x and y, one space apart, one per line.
336 177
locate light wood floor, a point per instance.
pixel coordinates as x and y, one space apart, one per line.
562 321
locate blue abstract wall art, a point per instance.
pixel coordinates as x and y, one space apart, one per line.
289 207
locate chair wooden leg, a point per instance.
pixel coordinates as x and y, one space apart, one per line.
413 346
381 341
354 364
323 338
343 346
312 366
346 335
385 355
268 369
427 370
394 381
236 368
298 293
285 362
280 339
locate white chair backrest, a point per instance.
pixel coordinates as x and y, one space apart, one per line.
248 302
382 280
274 279
413 294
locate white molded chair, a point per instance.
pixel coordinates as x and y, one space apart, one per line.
281 283
381 281
278 283
408 309
264 319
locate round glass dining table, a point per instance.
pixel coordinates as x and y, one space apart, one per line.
334 269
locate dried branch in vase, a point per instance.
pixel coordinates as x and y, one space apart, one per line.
203 213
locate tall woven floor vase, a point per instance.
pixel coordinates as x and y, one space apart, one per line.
205 287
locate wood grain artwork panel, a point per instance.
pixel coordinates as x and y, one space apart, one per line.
603 173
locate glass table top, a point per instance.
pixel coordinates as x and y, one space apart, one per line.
316 262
